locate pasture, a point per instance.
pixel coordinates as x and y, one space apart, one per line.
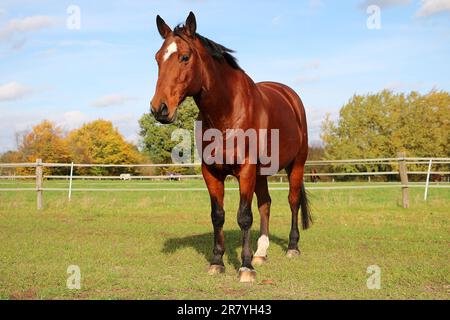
156 245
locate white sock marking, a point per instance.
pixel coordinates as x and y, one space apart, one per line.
171 48
263 245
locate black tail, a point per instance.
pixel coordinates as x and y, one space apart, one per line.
304 205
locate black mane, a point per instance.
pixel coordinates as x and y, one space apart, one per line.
218 51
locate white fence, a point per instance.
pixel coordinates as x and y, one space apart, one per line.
401 162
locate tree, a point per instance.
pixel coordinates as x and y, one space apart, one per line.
99 142
315 152
156 138
45 141
382 124
423 129
10 157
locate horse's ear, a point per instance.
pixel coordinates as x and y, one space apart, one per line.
163 28
191 24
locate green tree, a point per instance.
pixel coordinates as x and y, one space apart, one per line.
315 152
383 124
156 137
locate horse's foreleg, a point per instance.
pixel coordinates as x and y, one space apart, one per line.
215 184
247 181
262 194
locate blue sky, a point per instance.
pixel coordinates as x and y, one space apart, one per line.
106 69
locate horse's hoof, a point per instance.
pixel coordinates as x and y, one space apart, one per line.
292 253
216 269
247 275
259 260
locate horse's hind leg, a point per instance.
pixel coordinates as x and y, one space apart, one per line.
297 199
263 197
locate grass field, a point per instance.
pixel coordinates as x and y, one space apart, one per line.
156 245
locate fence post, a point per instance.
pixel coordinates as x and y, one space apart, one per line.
39 179
428 180
70 181
404 179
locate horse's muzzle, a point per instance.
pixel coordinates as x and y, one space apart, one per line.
162 115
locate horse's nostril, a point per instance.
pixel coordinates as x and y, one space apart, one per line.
164 110
152 109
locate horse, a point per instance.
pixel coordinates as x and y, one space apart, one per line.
314 176
190 65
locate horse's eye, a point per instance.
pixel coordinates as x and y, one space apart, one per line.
184 58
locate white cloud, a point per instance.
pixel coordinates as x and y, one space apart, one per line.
12 123
72 119
315 117
24 25
114 99
128 125
431 7
13 91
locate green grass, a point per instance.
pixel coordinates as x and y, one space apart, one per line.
156 245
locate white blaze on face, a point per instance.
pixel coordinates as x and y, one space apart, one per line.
171 48
263 245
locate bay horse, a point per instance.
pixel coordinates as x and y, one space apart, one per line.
192 65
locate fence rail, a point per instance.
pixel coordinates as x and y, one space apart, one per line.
408 160
401 161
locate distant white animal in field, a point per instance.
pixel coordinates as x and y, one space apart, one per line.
125 176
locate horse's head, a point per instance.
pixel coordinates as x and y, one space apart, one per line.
179 69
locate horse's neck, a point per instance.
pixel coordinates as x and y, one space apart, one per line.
226 98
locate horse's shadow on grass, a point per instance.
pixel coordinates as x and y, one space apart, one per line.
203 244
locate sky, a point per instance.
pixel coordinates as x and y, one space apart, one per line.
72 62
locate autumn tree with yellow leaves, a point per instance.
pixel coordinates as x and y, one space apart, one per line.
45 141
99 142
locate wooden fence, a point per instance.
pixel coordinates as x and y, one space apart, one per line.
401 162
